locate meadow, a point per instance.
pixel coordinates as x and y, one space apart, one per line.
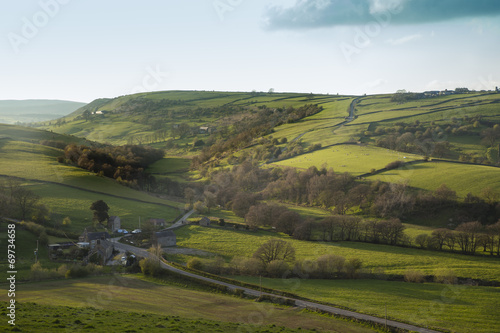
134 304
69 191
354 159
462 178
456 308
229 243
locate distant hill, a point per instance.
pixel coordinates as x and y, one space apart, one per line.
26 111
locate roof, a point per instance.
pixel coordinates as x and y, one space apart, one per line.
164 233
205 219
97 235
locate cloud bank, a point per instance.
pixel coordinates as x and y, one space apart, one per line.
326 13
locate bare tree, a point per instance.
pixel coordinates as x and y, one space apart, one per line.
275 249
24 200
467 236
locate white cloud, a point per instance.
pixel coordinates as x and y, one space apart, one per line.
380 6
404 40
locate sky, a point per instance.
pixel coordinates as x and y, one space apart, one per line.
83 50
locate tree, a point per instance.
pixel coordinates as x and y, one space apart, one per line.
275 249
24 200
157 252
86 115
100 209
287 222
467 236
242 203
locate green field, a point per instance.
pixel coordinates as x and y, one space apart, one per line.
461 178
230 243
69 191
132 303
461 309
348 158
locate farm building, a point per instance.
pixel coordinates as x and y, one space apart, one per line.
114 223
92 237
158 222
166 238
103 249
205 221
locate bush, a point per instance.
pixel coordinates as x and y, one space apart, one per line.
150 267
414 276
76 271
394 165
247 266
195 263
352 266
277 268
444 275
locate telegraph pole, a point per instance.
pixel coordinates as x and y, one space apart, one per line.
36 252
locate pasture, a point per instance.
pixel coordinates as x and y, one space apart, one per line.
462 178
354 159
230 243
136 304
457 308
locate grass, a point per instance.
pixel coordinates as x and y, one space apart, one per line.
25 245
113 302
348 158
69 191
75 203
229 243
461 178
457 308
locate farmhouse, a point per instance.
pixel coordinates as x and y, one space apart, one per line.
103 249
92 237
205 221
114 223
204 130
157 222
166 238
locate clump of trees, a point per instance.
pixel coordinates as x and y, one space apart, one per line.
18 201
124 163
467 238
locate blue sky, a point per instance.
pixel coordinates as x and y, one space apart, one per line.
83 50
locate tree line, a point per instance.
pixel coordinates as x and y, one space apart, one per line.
126 164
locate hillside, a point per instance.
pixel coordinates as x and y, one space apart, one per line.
68 191
28 111
355 136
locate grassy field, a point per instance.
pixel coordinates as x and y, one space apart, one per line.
462 309
348 158
229 243
139 305
69 191
461 178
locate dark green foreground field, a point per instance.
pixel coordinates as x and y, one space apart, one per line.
130 304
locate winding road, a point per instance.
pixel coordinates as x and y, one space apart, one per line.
299 303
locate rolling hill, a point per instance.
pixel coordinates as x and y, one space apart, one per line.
444 127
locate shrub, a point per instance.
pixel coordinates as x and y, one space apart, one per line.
277 268
352 266
77 271
247 266
414 276
195 263
394 165
444 275
150 267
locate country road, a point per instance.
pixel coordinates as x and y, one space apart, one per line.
299 303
